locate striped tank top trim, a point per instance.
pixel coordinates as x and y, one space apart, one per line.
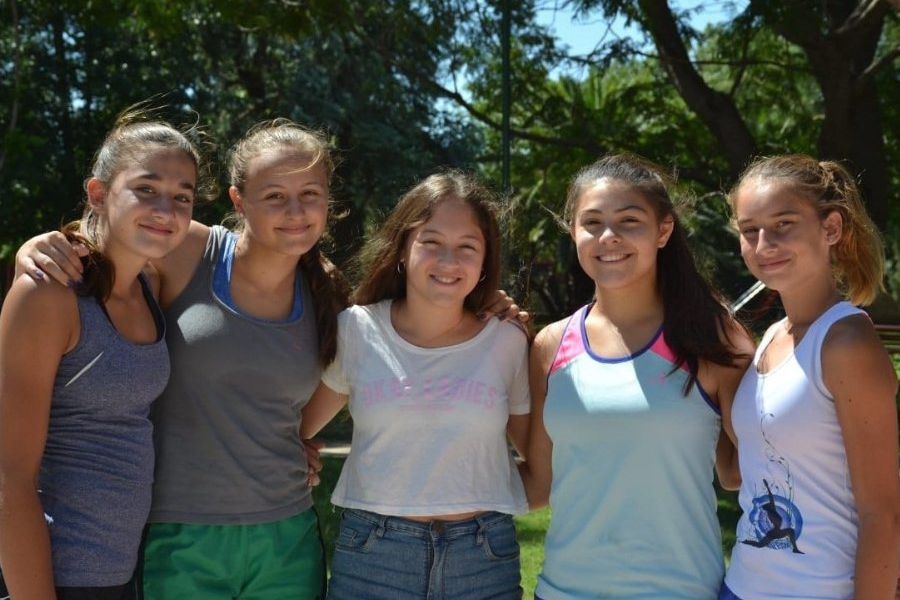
574 343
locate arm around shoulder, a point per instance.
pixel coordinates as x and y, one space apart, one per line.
177 267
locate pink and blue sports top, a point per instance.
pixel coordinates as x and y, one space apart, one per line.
634 509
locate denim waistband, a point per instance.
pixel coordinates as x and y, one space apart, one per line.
447 529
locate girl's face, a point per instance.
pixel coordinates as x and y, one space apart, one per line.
284 202
147 207
617 234
444 256
784 242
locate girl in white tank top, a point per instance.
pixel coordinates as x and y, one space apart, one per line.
815 416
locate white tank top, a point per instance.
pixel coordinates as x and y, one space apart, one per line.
797 535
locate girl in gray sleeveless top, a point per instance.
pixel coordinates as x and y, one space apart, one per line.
78 373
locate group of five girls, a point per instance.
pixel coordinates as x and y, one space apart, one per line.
622 412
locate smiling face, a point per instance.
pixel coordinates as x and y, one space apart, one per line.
444 256
784 241
617 234
284 202
146 208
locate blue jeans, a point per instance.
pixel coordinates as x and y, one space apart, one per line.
390 558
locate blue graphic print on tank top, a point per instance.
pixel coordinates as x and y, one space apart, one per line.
634 509
797 535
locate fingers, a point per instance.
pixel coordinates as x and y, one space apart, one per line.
313 461
59 259
497 304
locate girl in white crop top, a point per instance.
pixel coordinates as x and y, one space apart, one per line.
429 486
815 415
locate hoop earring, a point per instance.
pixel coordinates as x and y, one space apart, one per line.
483 276
400 268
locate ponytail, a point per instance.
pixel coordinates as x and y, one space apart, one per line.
330 293
858 257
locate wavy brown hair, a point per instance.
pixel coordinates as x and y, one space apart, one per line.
134 136
857 259
329 288
695 317
380 257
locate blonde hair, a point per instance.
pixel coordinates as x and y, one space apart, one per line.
858 257
283 135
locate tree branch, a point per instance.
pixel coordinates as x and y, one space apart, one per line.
877 66
866 14
519 133
715 109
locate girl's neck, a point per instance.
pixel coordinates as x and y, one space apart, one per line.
802 307
127 267
630 306
424 324
261 268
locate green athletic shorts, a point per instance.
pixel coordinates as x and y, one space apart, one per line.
270 561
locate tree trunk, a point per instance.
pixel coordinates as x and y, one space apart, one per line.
716 109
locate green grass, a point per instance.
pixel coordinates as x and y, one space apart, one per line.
531 527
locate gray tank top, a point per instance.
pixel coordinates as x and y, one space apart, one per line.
97 468
227 426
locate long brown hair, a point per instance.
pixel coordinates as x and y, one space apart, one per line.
695 317
379 259
133 137
327 284
857 259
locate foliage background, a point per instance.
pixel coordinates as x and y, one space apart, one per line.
407 86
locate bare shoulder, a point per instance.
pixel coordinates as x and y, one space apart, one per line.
36 296
40 308
853 352
547 341
852 339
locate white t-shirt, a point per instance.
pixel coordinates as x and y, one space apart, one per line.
429 424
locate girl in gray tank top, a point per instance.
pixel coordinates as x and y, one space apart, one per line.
78 372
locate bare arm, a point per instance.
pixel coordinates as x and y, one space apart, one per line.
517 431
320 410
728 470
859 374
536 471
39 323
721 383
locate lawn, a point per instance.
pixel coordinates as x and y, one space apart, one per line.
531 527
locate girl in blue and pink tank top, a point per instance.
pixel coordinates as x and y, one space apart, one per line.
78 372
815 414
628 394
